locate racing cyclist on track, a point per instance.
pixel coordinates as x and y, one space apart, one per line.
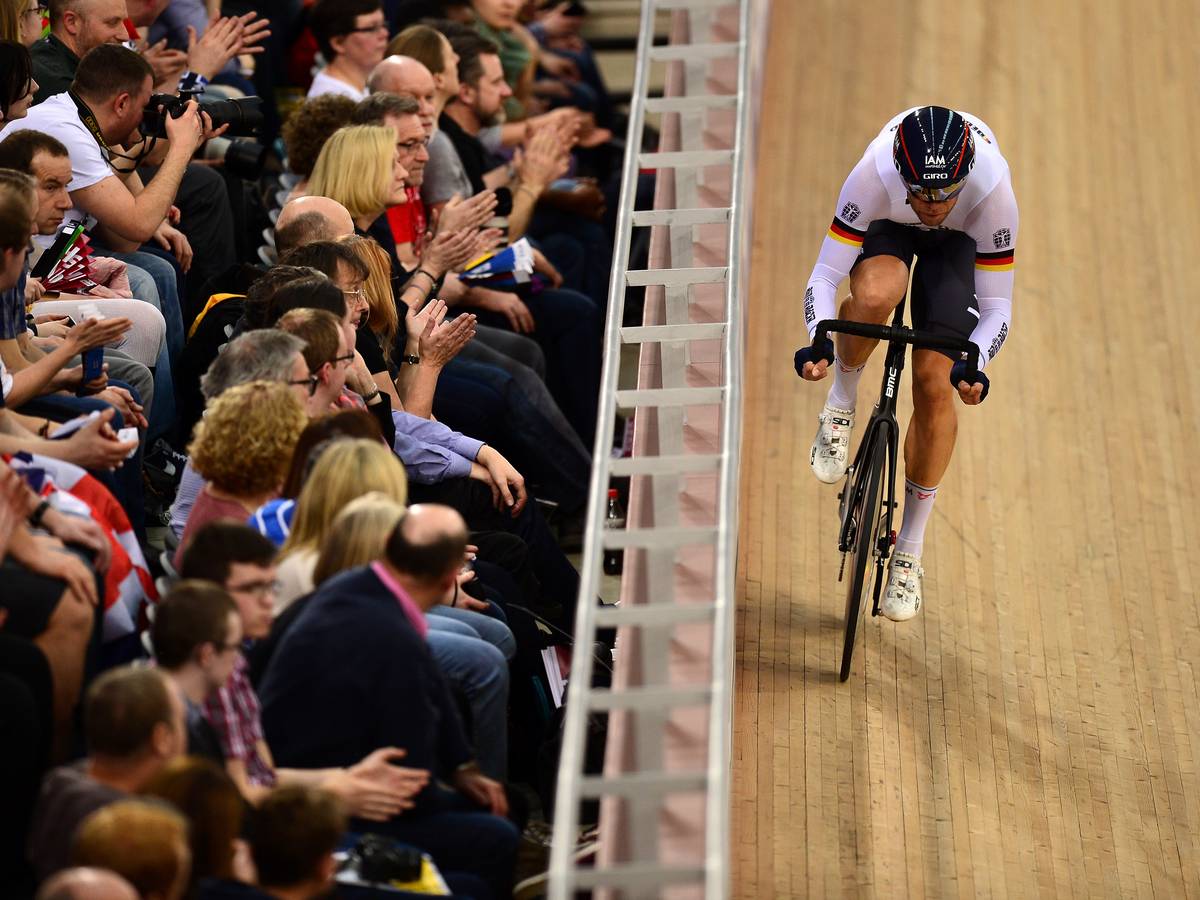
932 185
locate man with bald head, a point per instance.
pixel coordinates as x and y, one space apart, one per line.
319 710
405 76
309 219
87 884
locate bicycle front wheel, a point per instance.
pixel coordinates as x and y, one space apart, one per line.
866 512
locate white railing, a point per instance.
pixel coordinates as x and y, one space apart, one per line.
644 767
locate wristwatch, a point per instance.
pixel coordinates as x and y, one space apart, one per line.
410 358
35 518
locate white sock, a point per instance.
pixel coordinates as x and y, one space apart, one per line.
844 393
918 504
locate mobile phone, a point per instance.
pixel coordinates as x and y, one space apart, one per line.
503 201
93 364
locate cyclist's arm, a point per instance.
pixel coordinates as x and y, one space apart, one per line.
993 225
863 199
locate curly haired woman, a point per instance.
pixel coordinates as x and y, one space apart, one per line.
243 447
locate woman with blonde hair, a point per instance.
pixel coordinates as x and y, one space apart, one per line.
22 21
242 448
359 167
470 648
346 469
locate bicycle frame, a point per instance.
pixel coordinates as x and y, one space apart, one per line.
883 426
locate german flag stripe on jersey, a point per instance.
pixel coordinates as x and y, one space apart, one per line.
994 262
840 231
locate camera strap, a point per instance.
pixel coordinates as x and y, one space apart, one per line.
88 118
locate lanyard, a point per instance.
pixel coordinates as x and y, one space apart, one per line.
88 118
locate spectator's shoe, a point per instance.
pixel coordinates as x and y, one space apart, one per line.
902 596
831 447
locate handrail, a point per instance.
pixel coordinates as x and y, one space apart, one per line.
641 876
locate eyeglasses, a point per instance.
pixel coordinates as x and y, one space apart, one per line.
348 358
369 29
256 589
936 195
39 11
408 148
312 381
359 295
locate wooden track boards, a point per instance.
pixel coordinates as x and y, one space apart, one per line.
1035 732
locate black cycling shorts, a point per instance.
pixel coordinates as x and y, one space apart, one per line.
943 282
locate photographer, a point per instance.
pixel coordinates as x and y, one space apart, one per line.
207 223
100 113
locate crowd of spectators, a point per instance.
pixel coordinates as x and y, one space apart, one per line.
286 491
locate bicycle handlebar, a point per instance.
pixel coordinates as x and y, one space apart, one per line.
904 335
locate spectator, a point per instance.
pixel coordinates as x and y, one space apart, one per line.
479 673
76 28
51 593
372 788
306 220
17 86
306 131
144 842
352 35
242 448
404 76
114 85
295 831
196 635
445 175
134 723
87 884
326 350
143 349
21 21
320 712
264 354
344 470
214 810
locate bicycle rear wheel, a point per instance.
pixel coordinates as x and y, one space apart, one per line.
867 511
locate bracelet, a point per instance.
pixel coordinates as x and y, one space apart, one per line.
410 359
527 189
427 274
35 518
367 398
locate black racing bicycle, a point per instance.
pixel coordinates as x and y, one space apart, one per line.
865 509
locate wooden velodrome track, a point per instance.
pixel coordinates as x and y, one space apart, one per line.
1036 731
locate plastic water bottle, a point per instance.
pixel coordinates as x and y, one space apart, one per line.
614 560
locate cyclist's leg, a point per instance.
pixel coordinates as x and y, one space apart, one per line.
943 303
878 282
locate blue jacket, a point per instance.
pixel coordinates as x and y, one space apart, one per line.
352 675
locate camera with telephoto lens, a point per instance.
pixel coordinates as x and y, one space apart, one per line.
243 116
378 860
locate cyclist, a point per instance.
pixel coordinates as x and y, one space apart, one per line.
932 185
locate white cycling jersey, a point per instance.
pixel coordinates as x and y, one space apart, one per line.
986 211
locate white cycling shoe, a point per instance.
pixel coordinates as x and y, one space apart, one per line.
831 447
902 596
